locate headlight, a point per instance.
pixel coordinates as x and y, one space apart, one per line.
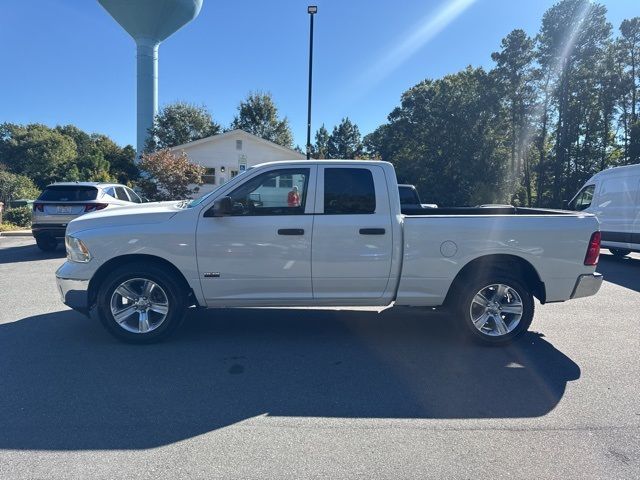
77 251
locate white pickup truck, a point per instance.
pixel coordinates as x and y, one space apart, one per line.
323 233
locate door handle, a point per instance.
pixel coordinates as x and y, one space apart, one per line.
290 231
372 231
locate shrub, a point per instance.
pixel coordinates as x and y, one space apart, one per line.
20 216
167 176
14 187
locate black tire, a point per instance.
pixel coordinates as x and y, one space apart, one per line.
465 292
46 243
176 296
620 252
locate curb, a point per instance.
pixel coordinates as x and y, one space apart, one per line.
16 233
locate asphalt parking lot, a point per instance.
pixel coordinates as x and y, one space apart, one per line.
297 393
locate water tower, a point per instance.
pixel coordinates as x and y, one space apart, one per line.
150 22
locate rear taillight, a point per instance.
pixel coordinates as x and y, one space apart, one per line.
38 207
593 251
93 207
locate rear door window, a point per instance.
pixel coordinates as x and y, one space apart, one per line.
121 194
348 191
133 195
68 194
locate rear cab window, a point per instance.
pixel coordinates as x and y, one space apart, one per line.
70 193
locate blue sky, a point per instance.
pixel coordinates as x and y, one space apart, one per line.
67 61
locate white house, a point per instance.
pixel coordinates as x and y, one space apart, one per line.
227 154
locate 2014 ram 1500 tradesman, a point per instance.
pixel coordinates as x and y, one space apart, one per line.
323 233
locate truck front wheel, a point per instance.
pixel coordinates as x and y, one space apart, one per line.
494 308
140 303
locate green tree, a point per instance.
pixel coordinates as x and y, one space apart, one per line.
258 115
572 43
629 50
99 158
15 187
514 73
180 123
167 176
345 141
609 92
122 166
34 150
446 137
64 153
378 144
321 147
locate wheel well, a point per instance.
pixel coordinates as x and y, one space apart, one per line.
511 264
116 262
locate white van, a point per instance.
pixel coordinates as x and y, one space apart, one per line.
613 195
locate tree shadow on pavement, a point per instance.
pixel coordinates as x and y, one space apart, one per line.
66 384
623 271
28 253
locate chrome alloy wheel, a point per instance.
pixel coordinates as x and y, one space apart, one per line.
496 310
139 305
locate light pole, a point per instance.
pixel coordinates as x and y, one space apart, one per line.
311 10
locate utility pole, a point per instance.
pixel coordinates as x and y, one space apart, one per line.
311 10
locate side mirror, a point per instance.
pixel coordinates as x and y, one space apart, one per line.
221 208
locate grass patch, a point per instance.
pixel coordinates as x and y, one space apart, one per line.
8 227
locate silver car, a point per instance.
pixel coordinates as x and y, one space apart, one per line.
61 202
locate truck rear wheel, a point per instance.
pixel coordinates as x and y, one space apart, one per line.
141 303
494 308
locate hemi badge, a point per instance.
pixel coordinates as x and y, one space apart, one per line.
212 274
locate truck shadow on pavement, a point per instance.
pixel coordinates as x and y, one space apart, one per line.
621 271
66 384
29 253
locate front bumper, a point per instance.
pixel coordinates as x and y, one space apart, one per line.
587 285
74 293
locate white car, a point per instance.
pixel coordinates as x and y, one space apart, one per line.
323 233
613 195
61 202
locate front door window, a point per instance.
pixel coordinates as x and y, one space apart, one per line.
278 192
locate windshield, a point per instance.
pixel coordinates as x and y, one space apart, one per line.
583 199
197 201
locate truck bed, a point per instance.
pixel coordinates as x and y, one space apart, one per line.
439 242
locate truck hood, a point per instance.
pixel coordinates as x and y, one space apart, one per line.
144 214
